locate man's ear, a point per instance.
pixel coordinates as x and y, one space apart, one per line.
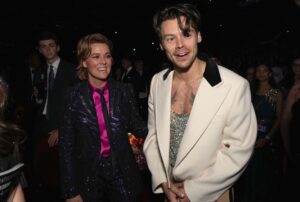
38 49
161 47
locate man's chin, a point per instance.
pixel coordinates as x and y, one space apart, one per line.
182 67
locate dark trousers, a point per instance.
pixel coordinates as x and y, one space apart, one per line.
148 195
112 187
143 107
45 184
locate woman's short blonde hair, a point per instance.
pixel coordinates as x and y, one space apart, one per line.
84 50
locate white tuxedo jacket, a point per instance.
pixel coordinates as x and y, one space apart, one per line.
218 140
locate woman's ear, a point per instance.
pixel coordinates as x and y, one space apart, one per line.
83 64
199 37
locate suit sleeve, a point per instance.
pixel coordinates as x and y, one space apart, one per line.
151 149
239 135
66 151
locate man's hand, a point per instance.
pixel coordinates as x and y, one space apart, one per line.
53 138
75 199
178 189
35 92
169 194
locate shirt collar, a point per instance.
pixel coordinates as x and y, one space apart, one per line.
55 64
129 69
93 88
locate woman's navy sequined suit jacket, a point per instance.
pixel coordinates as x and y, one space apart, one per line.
79 140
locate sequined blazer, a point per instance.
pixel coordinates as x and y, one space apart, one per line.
79 139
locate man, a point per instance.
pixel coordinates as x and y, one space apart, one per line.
145 79
27 91
130 75
202 126
60 76
64 76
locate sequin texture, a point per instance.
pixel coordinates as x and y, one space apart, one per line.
177 127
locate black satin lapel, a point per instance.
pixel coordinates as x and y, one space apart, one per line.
211 74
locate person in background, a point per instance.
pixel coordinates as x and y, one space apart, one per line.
11 166
263 174
290 129
202 126
96 159
140 67
250 76
250 73
292 75
277 74
27 91
60 76
130 75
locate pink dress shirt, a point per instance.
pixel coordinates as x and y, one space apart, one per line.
105 146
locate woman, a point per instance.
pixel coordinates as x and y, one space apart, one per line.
261 176
96 159
10 166
290 131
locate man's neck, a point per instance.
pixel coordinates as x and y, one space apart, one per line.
196 71
51 61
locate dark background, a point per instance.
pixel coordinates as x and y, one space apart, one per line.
228 26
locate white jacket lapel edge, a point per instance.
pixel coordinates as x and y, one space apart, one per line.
207 102
163 110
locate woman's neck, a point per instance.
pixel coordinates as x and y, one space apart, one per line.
263 87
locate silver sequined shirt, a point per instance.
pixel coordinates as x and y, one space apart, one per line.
177 127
